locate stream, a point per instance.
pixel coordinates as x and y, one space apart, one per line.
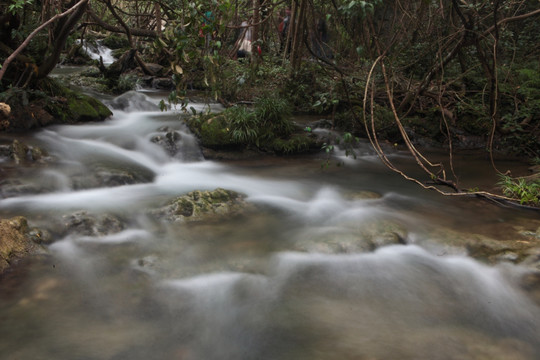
292 279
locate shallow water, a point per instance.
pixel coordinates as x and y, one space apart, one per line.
289 281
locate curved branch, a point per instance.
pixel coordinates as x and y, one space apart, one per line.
510 19
497 199
116 29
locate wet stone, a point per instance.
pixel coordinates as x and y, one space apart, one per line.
202 206
15 241
168 141
82 223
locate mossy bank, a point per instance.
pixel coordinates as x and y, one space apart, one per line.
51 103
266 127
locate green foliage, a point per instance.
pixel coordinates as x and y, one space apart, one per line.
274 114
267 126
526 192
115 42
125 83
359 8
519 108
311 89
293 145
243 125
18 5
348 142
326 101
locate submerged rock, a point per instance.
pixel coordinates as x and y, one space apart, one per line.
163 83
82 223
16 187
202 205
353 238
169 141
19 152
18 240
133 101
520 248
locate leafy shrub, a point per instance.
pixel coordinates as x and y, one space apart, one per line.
274 114
243 125
115 42
527 192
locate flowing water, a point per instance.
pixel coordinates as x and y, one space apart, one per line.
288 281
98 50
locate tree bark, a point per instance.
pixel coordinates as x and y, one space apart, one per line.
60 39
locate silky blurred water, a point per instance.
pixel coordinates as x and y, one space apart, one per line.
288 281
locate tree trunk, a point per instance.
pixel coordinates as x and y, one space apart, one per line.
158 19
296 55
256 29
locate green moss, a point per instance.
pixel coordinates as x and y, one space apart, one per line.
77 107
115 42
213 131
296 144
184 207
221 195
68 106
81 109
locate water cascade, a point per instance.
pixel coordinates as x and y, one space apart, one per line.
316 271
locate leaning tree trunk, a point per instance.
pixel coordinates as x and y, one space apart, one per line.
61 35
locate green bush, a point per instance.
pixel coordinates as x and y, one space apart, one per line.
274 114
526 192
243 125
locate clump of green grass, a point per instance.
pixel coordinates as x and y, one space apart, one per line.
526 192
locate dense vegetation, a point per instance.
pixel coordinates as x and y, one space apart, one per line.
454 73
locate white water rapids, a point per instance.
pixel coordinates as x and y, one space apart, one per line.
288 282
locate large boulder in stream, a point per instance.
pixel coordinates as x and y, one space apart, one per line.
202 205
18 240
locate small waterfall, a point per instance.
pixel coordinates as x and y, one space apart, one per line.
97 50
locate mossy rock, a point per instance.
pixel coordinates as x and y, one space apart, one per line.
85 108
203 206
71 107
212 132
51 103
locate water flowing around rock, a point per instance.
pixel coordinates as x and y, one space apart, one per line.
154 252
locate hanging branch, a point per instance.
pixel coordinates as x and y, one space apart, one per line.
372 136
